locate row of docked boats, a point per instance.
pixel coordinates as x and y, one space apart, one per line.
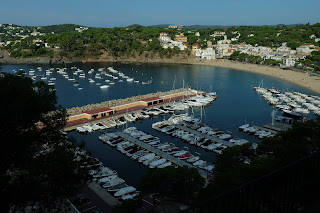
252 130
201 135
294 104
109 180
134 151
102 125
143 114
151 159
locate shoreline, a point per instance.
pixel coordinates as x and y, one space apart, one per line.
299 78
295 77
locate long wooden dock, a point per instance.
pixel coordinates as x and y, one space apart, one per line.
161 153
200 134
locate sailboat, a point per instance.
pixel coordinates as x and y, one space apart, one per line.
244 126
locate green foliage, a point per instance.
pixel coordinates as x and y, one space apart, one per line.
240 164
121 41
245 57
57 29
178 183
34 169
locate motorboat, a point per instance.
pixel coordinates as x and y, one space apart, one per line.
104 86
157 163
146 157
164 165
113 182
125 190
150 160
193 159
117 187
185 156
107 179
199 163
104 172
182 152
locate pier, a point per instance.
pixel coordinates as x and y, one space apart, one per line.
200 134
160 153
118 108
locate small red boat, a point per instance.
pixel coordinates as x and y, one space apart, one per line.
185 156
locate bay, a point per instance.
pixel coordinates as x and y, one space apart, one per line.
236 101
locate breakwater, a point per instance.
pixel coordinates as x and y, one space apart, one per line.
113 103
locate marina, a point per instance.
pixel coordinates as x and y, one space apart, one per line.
236 100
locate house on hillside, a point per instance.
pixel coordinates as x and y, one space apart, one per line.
181 38
195 48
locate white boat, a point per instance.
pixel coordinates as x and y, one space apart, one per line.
129 196
104 172
117 187
81 130
242 127
113 182
146 157
147 82
157 163
150 160
129 79
107 179
88 128
164 165
199 163
193 159
180 153
104 86
124 191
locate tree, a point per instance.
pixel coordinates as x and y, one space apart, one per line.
39 167
179 183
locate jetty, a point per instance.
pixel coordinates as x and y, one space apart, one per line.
160 153
78 116
200 134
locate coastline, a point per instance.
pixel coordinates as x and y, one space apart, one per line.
299 78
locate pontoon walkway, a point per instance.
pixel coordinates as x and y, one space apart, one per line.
161 153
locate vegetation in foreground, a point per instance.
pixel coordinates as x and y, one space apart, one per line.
39 167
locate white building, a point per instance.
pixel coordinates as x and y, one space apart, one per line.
207 53
164 38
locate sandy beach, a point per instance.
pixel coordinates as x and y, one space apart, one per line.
299 78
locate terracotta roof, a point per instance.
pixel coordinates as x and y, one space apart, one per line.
151 99
96 111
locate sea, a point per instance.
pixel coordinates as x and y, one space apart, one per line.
236 104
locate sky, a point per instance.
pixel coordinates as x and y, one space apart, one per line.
120 13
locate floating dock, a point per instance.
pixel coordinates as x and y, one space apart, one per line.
161 153
200 134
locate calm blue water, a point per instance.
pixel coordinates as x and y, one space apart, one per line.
236 101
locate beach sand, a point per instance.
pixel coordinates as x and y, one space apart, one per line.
299 78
